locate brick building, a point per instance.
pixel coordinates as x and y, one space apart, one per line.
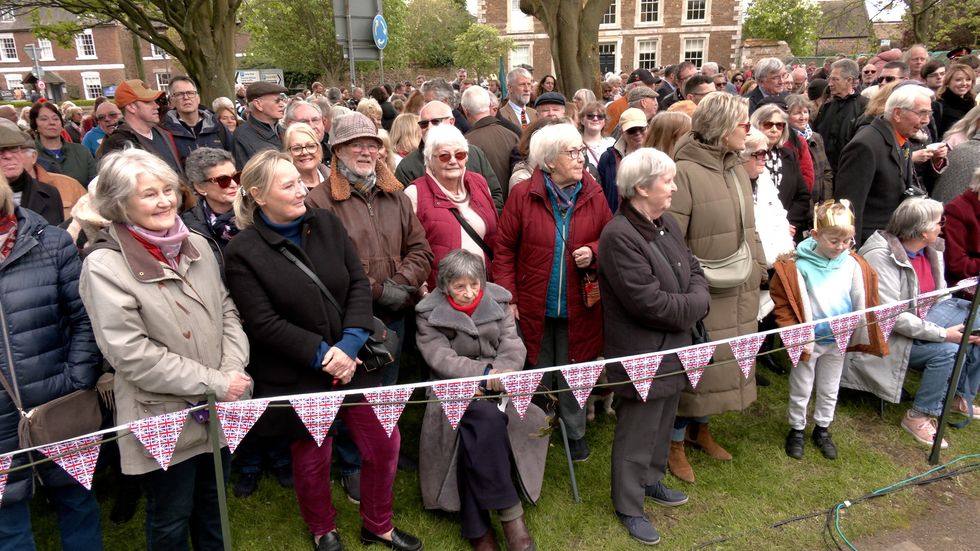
633 33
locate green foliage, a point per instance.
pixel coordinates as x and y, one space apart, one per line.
431 28
794 21
293 36
60 32
479 47
957 24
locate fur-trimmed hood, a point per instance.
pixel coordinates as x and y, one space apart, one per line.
340 187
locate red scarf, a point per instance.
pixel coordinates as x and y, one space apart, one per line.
8 235
154 251
468 310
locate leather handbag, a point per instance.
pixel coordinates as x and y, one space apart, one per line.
66 417
379 349
735 269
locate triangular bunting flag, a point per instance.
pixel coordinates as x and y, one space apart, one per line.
694 359
454 396
4 465
77 457
794 338
317 413
519 387
887 317
159 434
388 404
237 418
843 328
745 349
923 305
581 379
641 372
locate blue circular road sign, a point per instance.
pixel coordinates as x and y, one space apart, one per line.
379 28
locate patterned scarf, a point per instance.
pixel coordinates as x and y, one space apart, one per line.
8 235
362 185
805 133
774 166
222 225
167 241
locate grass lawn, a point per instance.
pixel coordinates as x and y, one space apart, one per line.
735 500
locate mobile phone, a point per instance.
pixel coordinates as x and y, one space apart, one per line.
975 332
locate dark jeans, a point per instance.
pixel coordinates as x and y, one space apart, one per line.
639 453
78 521
182 501
254 449
554 352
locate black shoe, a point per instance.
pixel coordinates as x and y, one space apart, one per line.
329 542
823 441
760 380
399 540
640 529
351 483
794 444
127 499
247 484
285 476
579 450
769 362
407 464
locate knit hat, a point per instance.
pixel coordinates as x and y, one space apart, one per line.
131 91
351 127
632 118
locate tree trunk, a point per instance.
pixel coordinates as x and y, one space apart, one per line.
208 54
573 27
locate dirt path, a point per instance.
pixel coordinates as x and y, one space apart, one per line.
949 521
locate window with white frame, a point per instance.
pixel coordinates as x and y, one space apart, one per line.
609 18
157 51
163 80
646 54
520 55
649 11
693 51
45 49
519 21
8 48
85 44
695 10
14 82
7 15
92 84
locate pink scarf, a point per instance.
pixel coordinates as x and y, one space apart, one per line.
168 241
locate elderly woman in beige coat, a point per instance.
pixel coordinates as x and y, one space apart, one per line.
466 329
713 206
163 319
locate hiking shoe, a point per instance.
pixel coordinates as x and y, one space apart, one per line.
246 485
923 429
640 529
824 443
665 496
794 444
351 483
579 450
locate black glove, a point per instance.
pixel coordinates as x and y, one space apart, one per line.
394 296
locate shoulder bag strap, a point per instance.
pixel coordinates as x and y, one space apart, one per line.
14 396
306 270
741 204
472 233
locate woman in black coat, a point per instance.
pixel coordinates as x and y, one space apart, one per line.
783 166
653 293
300 343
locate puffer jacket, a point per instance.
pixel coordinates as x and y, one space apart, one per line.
883 376
706 208
171 335
48 347
212 133
607 168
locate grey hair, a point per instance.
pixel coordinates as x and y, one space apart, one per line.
709 65
514 73
203 159
119 174
848 69
975 182
913 217
584 94
641 169
258 175
903 97
766 112
440 135
549 142
475 100
755 140
794 101
716 116
291 108
460 263
222 103
441 90
334 95
766 67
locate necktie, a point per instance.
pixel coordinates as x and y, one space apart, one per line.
523 118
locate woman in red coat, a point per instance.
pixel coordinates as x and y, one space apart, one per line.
962 233
545 255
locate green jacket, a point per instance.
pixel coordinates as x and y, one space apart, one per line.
77 162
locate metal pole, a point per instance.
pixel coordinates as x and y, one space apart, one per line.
381 58
219 471
955 377
350 47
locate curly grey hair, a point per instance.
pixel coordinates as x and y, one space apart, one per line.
203 159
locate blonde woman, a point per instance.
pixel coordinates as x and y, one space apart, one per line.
301 143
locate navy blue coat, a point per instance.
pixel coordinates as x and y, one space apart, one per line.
212 133
47 348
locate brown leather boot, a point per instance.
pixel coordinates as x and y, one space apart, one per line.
699 437
486 542
677 462
518 538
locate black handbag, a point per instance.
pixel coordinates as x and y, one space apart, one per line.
379 349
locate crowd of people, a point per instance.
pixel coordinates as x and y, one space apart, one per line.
257 246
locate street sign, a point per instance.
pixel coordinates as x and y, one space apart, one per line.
248 76
41 86
379 29
357 32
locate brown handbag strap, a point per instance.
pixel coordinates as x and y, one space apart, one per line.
10 391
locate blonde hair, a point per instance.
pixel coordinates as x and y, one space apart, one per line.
876 105
389 153
371 108
301 128
665 129
258 175
717 116
6 198
405 133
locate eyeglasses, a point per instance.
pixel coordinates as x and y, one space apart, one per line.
595 116
446 157
738 80
182 95
746 126
759 155
942 221
423 124
225 180
576 154
309 121
721 85
370 147
887 79
924 114
636 130
768 125
871 72
300 149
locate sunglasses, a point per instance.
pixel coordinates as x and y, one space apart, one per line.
224 181
423 124
768 125
759 155
871 72
746 126
636 130
596 116
889 78
446 157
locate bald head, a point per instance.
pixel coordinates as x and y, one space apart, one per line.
434 113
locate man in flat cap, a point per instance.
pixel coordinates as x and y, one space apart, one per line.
261 130
550 105
141 125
